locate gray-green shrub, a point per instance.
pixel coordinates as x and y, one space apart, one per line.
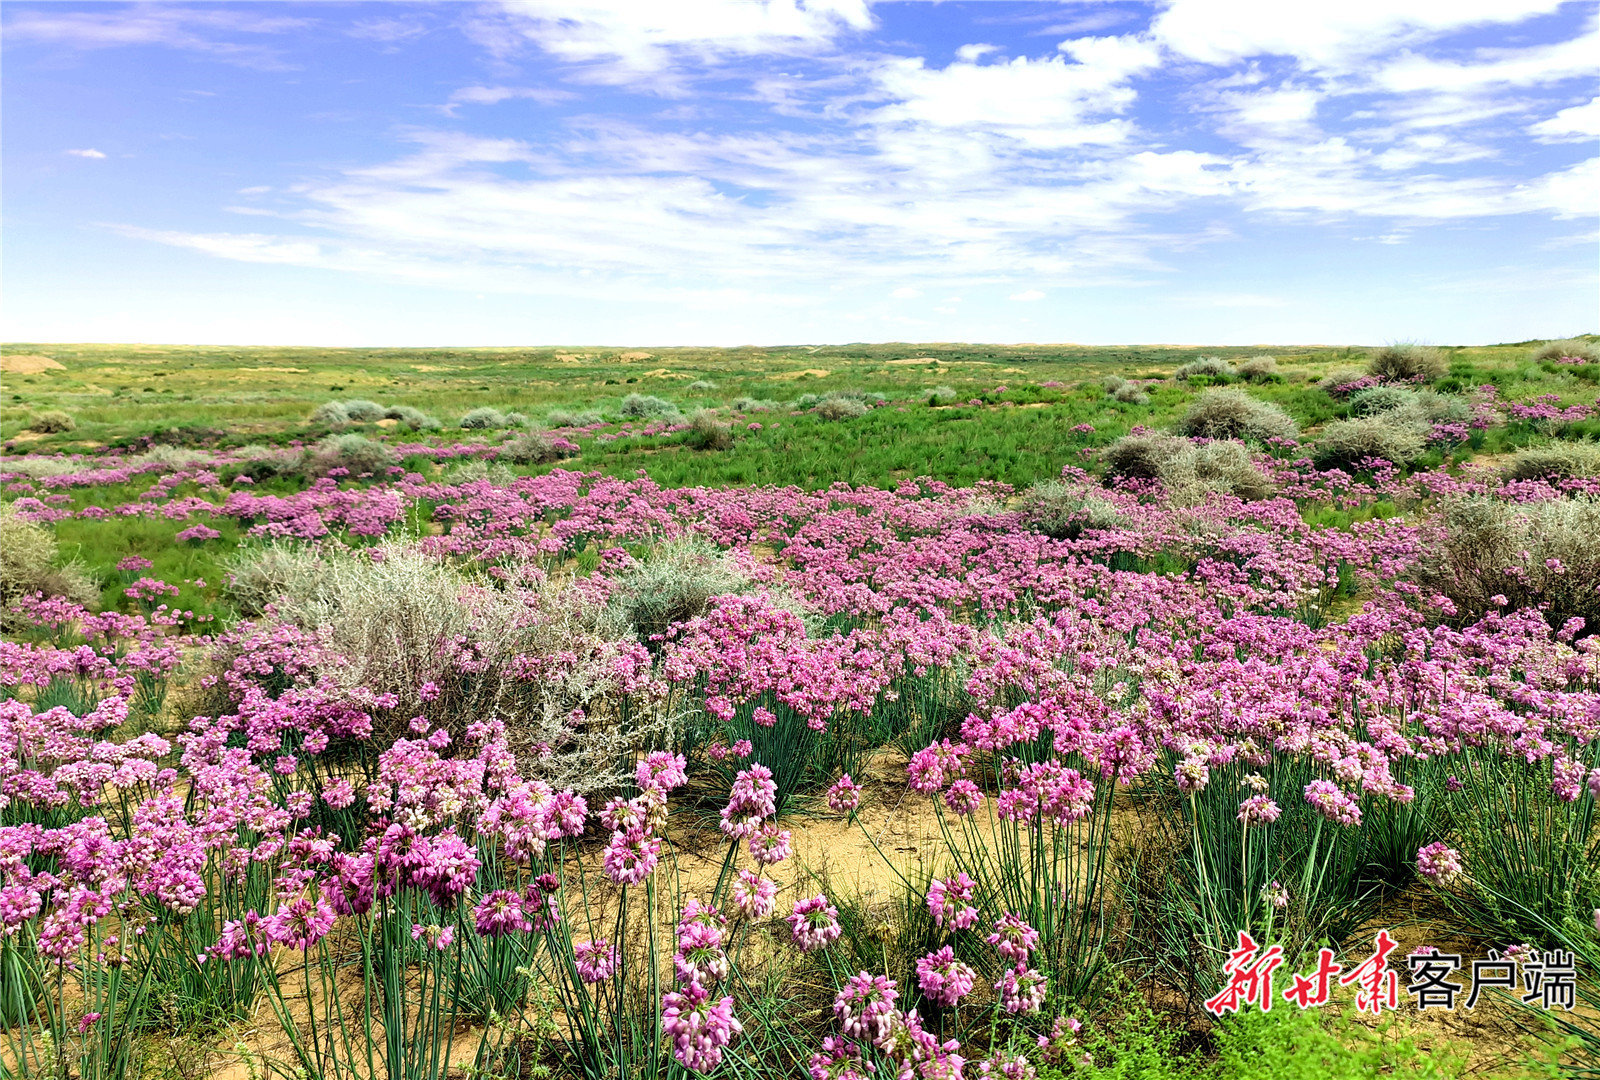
28 565
567 418
839 408
1587 351
1406 362
1231 413
649 407
362 411
708 431
673 584
483 418
1131 393
1346 443
1141 457
750 404
1064 511
1207 367
1539 554
1223 467
1561 460
530 448
330 414
356 453
52 422
1259 369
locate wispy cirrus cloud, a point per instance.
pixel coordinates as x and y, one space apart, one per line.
210 31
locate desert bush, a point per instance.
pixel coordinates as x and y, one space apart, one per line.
567 418
940 395
357 453
52 422
362 411
1572 348
671 585
1562 460
1110 383
37 468
477 470
702 385
483 418
1130 393
1141 457
648 407
516 420
750 404
708 431
1540 554
170 457
531 448
839 408
256 574
1386 437
1231 413
28 565
384 618
1063 511
807 401
1406 363
1259 369
412 417
330 414
264 462
1333 382
1416 406
1222 467
1207 367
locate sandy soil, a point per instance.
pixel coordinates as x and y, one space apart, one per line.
29 364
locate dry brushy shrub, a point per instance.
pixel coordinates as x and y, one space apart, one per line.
1217 468
37 468
673 584
52 422
330 414
702 385
356 453
1063 511
1110 383
475 471
532 448
1587 351
1540 554
1333 380
1563 460
363 411
1207 367
839 408
1259 369
1231 413
1130 393
27 565
708 431
264 462
941 395
484 418
411 417
542 660
255 575
1141 457
649 407
1406 362
1346 443
750 404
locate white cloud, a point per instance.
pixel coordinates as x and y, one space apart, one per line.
1332 37
494 95
387 31
906 292
1048 103
87 153
624 40
1578 123
195 29
1027 295
1572 59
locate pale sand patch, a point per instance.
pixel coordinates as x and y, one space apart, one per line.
428 367
919 360
634 356
572 358
29 364
665 373
387 423
27 437
820 373
289 370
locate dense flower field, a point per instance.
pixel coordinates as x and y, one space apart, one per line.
507 773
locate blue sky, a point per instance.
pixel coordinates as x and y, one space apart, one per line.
716 172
